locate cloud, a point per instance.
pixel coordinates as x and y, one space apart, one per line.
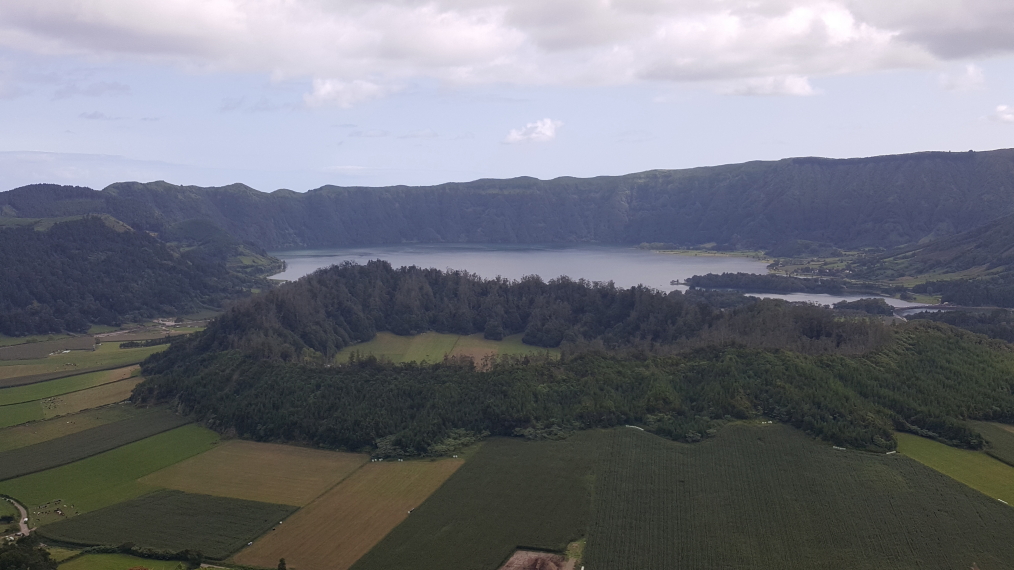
971 79
91 90
791 85
98 116
344 94
1004 114
540 131
424 134
370 134
353 51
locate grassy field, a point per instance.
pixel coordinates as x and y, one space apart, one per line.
107 478
13 340
108 355
37 432
76 446
432 347
978 470
1000 438
7 510
511 493
767 496
265 472
33 350
173 520
118 562
338 528
48 389
16 414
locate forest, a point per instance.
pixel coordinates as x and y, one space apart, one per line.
769 283
96 270
673 363
884 201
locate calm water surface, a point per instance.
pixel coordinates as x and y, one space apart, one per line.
624 266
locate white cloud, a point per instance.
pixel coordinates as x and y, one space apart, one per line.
790 85
971 79
543 130
1004 113
344 93
357 50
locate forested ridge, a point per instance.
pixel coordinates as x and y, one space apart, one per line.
96 270
880 201
676 364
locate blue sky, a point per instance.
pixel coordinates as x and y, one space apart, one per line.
300 93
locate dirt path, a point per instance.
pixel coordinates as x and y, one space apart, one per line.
23 519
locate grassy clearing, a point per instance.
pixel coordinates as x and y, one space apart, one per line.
73 447
973 468
17 414
118 562
511 493
173 520
61 554
338 528
12 340
7 509
1000 438
265 472
432 347
108 355
767 496
37 432
107 478
48 389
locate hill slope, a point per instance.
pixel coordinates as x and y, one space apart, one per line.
881 201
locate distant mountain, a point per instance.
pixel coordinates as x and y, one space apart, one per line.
881 201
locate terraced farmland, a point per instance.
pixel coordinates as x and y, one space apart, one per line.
107 478
769 497
173 520
37 432
338 528
65 385
511 493
266 472
70 448
71 403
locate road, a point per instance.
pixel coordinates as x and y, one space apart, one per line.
22 519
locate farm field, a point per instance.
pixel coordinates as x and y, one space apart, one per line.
42 349
1000 438
767 496
70 448
173 520
107 355
107 478
37 432
50 388
117 562
342 525
266 472
7 510
978 470
432 347
511 493
71 403
13 340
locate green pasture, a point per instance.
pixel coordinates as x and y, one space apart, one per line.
433 346
119 562
50 388
107 478
7 510
105 356
17 414
1000 440
978 470
13 340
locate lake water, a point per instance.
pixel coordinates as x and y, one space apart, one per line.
624 266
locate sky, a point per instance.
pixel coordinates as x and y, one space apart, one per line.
301 93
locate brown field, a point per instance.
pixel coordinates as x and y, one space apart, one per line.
341 526
37 432
265 472
32 350
531 560
90 398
